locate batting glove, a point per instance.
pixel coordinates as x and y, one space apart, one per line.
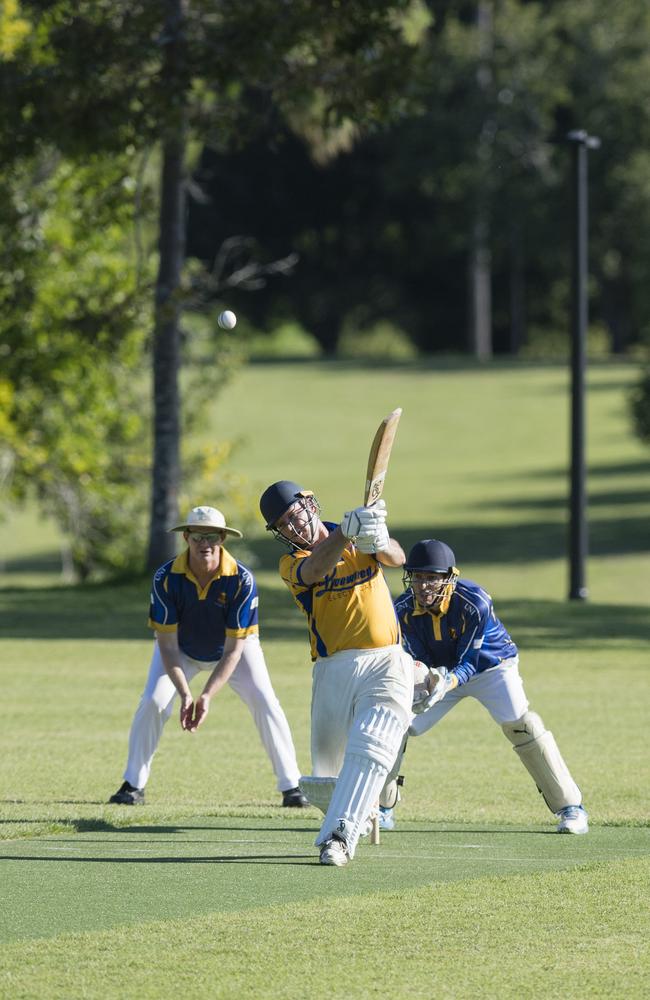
355 521
446 681
375 541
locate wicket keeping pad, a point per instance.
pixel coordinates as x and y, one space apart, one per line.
540 755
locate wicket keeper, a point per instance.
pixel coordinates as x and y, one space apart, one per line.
449 623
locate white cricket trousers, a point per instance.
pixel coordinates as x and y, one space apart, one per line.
250 680
361 706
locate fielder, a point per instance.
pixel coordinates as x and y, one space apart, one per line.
204 615
362 680
449 624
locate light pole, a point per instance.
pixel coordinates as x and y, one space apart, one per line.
578 535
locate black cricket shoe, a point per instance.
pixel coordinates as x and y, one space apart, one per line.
294 799
127 795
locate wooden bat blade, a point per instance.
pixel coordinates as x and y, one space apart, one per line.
379 455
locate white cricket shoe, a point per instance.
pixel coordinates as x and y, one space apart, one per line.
334 852
573 819
366 829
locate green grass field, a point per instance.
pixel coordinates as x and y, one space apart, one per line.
212 888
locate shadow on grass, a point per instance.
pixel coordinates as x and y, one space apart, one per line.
532 623
520 544
513 543
86 825
216 859
91 611
77 825
611 499
119 610
550 624
631 468
46 562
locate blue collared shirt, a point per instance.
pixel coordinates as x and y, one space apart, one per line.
203 617
467 639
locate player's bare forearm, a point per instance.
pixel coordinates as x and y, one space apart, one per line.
171 656
323 558
232 650
392 556
221 674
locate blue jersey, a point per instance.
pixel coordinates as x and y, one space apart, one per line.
467 639
203 617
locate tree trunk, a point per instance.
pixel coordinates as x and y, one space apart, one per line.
480 257
517 290
166 347
480 278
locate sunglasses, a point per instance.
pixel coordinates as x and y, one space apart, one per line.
211 537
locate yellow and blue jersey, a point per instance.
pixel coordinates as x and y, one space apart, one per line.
467 639
204 616
350 609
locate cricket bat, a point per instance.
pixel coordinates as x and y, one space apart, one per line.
375 476
379 455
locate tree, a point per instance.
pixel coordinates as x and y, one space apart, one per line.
72 328
388 224
640 406
110 75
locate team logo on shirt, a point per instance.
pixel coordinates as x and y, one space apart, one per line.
349 582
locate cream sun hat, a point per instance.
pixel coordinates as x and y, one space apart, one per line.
206 517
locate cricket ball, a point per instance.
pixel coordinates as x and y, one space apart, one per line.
227 320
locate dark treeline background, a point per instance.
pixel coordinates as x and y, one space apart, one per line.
467 191
337 166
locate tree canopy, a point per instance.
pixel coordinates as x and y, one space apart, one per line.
388 227
407 156
101 84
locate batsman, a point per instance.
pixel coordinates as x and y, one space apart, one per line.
362 680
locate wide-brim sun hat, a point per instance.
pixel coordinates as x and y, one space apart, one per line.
207 518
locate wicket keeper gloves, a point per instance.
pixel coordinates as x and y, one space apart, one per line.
378 541
363 520
446 682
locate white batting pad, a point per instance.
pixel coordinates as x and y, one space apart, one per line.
317 791
540 755
377 735
372 746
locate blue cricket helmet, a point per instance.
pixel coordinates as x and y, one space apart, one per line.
278 497
430 556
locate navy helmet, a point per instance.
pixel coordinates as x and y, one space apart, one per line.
430 556
278 497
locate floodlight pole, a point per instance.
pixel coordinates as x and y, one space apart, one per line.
578 534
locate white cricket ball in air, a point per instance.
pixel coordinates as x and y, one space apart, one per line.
227 320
